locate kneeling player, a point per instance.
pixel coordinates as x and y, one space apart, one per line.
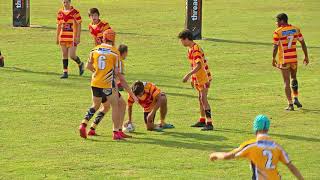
103 63
151 99
263 152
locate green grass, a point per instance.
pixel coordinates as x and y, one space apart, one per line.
40 114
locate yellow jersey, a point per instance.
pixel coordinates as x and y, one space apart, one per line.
264 154
105 59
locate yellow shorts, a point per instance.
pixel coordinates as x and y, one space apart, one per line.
286 66
68 44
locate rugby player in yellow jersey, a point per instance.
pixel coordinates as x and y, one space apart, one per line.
263 152
285 39
103 63
200 78
123 50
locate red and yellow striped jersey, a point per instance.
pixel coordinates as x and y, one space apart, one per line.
264 154
286 38
97 30
196 55
105 59
148 100
69 19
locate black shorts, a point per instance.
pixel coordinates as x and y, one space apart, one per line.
101 92
146 115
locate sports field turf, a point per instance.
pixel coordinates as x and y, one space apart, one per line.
40 114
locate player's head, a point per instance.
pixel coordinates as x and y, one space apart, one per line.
109 36
94 15
123 49
261 124
66 3
282 19
186 37
138 88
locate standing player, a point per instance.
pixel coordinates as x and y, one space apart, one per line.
263 152
103 63
1 60
285 39
200 78
68 35
151 99
97 26
123 50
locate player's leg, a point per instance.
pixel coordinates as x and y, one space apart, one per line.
207 109
65 61
149 124
75 58
114 102
202 119
104 108
122 112
163 112
294 85
96 102
286 80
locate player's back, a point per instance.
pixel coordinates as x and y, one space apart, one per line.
265 155
105 59
286 37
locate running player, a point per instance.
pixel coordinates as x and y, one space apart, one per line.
200 78
97 26
103 63
68 35
263 152
285 39
151 99
123 50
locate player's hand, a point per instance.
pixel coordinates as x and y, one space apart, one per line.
306 61
274 63
128 122
213 156
135 98
150 117
77 40
186 78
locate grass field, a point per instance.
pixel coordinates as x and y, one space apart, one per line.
40 114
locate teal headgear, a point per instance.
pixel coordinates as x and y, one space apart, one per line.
260 123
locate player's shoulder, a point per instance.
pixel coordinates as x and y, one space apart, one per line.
103 22
295 27
196 47
75 9
279 29
247 143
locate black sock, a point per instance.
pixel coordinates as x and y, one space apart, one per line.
92 128
65 64
77 60
208 113
99 117
89 114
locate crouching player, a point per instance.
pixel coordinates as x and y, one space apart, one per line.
200 78
263 152
103 63
123 50
151 99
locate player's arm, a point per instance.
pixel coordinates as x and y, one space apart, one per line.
78 33
58 32
222 156
129 114
193 71
294 170
125 84
89 64
305 51
274 54
150 125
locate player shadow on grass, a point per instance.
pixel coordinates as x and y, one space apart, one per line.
286 136
246 42
187 95
21 70
313 111
198 145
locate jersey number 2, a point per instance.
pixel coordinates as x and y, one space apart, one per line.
269 164
102 62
